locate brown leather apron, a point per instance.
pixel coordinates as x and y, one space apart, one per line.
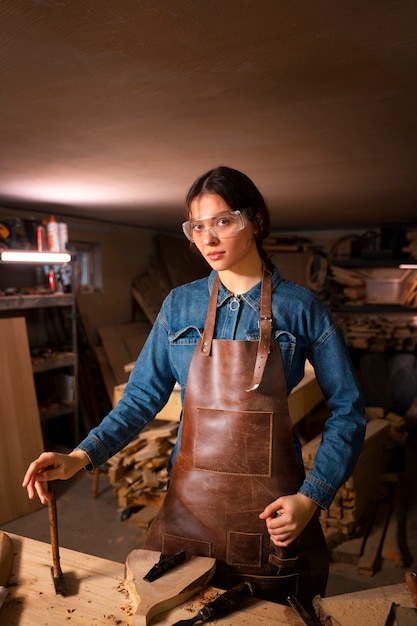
237 456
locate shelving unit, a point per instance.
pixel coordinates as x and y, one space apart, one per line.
52 331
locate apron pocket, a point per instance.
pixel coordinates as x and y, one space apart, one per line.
233 442
244 549
173 543
272 588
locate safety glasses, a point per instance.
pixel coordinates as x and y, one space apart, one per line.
220 226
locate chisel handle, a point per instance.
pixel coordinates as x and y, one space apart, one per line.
411 580
227 602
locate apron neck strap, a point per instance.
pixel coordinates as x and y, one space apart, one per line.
210 319
265 331
265 327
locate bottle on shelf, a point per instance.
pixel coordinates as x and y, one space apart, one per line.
51 281
53 240
62 236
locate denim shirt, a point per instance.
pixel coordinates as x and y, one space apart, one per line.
304 329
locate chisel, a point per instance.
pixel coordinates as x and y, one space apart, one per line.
226 603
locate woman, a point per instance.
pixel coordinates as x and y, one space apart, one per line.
236 342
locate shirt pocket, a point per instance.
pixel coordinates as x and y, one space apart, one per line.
287 344
188 336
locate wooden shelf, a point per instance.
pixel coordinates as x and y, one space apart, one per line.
56 360
374 309
57 410
369 262
10 303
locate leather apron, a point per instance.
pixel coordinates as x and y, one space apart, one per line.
236 457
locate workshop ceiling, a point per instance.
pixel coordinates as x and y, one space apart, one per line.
110 109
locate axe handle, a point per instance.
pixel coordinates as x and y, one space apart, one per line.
53 529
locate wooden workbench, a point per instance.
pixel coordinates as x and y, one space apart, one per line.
97 594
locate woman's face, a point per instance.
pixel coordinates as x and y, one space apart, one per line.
229 253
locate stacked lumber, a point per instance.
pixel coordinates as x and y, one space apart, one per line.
379 538
377 534
409 295
411 247
120 344
149 290
378 333
359 491
138 472
352 283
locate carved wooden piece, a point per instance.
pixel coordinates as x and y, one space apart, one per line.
171 589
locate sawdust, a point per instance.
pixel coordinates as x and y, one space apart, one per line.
204 598
128 607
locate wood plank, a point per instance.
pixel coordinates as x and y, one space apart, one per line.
305 396
348 552
122 344
372 551
168 591
109 378
368 607
391 548
21 435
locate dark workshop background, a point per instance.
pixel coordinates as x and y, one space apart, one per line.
111 110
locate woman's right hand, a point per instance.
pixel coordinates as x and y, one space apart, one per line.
52 466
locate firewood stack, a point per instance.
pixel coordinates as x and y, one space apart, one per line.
378 333
361 489
138 472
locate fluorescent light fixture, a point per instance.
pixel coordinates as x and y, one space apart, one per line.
28 256
408 266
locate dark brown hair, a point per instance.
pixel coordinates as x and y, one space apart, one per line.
240 193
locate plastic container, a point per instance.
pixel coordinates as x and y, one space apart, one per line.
53 239
41 238
385 286
62 236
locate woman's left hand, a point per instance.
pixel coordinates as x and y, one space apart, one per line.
287 517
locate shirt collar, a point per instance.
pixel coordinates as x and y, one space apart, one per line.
252 297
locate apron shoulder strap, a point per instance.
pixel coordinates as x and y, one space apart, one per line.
265 327
265 331
208 333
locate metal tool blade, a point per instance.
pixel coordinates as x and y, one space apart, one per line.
307 618
165 563
406 616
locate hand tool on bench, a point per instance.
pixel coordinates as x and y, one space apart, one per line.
57 575
405 616
165 563
308 618
6 563
224 604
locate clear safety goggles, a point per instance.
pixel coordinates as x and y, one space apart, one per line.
221 226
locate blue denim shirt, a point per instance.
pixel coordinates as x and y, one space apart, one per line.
304 329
